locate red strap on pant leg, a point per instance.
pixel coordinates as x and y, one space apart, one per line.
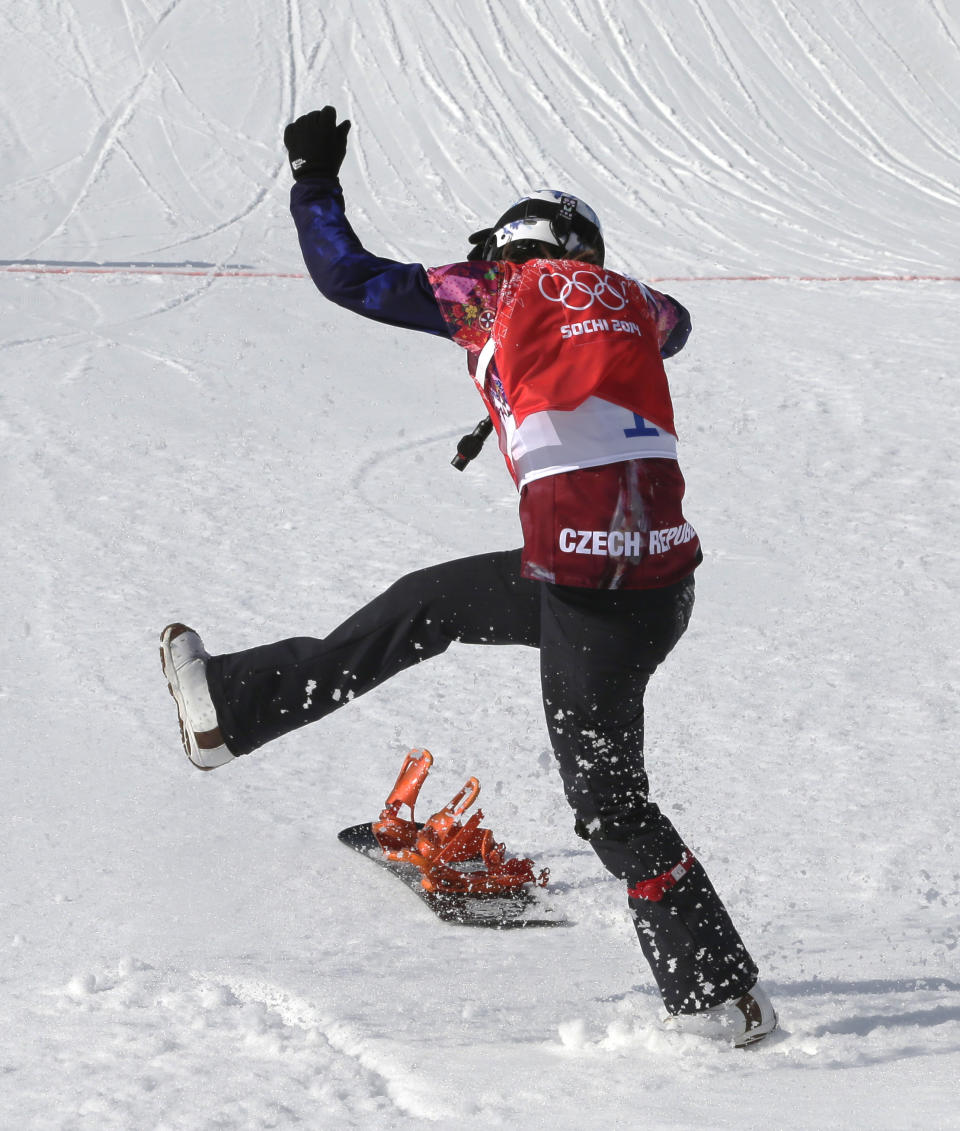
658 887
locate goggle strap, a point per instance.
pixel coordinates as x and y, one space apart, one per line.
564 218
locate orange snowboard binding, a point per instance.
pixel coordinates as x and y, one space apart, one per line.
445 841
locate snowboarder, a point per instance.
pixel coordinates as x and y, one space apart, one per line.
567 356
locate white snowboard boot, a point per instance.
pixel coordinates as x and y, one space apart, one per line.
741 1021
185 666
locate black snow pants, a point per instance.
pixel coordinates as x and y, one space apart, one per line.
598 649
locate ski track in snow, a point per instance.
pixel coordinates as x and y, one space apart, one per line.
287 1058
290 1057
228 449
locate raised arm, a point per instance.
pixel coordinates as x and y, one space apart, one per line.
397 294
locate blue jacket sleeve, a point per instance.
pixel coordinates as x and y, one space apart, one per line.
398 294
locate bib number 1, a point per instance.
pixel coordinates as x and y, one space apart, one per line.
641 428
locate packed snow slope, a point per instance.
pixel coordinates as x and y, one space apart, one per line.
185 950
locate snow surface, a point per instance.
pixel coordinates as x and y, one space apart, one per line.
185 950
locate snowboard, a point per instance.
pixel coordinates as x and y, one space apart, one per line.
502 911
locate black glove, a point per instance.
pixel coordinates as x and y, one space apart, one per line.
470 445
316 144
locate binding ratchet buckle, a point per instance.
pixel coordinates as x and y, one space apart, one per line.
452 855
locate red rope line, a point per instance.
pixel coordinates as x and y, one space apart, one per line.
249 273
133 269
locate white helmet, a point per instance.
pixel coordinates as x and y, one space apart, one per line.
546 216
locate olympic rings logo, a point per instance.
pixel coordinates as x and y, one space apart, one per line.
580 290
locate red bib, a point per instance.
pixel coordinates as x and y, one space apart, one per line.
566 331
